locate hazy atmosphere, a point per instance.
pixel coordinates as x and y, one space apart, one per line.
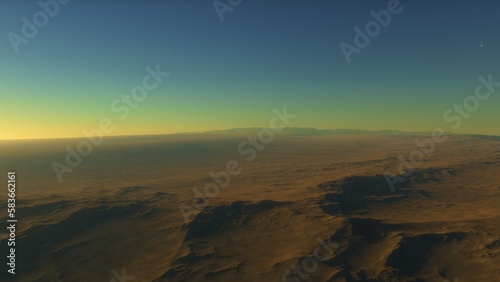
234 140
230 73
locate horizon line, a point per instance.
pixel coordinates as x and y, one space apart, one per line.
241 128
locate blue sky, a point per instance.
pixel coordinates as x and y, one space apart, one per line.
231 73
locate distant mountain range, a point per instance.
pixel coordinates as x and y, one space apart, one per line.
315 131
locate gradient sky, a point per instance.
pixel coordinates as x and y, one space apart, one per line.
231 74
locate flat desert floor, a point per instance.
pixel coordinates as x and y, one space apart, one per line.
303 207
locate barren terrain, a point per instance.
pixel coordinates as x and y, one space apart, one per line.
119 210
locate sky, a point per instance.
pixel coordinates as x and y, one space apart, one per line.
231 73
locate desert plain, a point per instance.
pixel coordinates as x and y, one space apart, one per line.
308 205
